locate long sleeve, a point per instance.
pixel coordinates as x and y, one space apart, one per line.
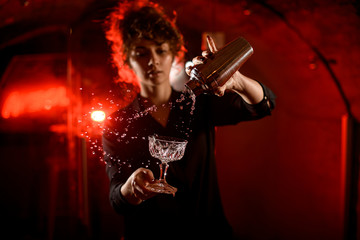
117 178
232 109
117 163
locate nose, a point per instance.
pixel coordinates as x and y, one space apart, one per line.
154 60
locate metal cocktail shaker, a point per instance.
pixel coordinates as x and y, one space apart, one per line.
217 70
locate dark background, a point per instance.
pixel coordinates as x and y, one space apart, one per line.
287 176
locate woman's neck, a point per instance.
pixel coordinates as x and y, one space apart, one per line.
157 94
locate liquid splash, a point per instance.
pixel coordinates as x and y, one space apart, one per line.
186 102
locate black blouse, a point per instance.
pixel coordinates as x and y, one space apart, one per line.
196 211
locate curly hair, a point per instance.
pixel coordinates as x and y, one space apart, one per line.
142 19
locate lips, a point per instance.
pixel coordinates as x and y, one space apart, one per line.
153 72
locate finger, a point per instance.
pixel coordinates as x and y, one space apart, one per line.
188 67
207 54
211 44
136 185
220 91
142 182
137 181
148 175
188 70
198 60
142 192
138 192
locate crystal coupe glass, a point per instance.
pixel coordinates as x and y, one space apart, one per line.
166 149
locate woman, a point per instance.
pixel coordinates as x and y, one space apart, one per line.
150 43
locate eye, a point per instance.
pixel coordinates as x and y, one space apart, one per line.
140 53
161 51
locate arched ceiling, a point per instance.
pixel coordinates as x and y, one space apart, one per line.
317 34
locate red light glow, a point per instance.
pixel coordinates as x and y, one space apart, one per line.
98 116
22 102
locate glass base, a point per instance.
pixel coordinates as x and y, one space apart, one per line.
160 186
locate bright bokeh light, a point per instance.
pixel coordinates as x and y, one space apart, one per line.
98 116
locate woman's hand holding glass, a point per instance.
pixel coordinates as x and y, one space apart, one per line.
135 189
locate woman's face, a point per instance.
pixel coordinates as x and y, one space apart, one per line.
151 61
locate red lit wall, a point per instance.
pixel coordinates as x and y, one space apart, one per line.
281 176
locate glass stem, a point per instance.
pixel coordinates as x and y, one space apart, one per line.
163 169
